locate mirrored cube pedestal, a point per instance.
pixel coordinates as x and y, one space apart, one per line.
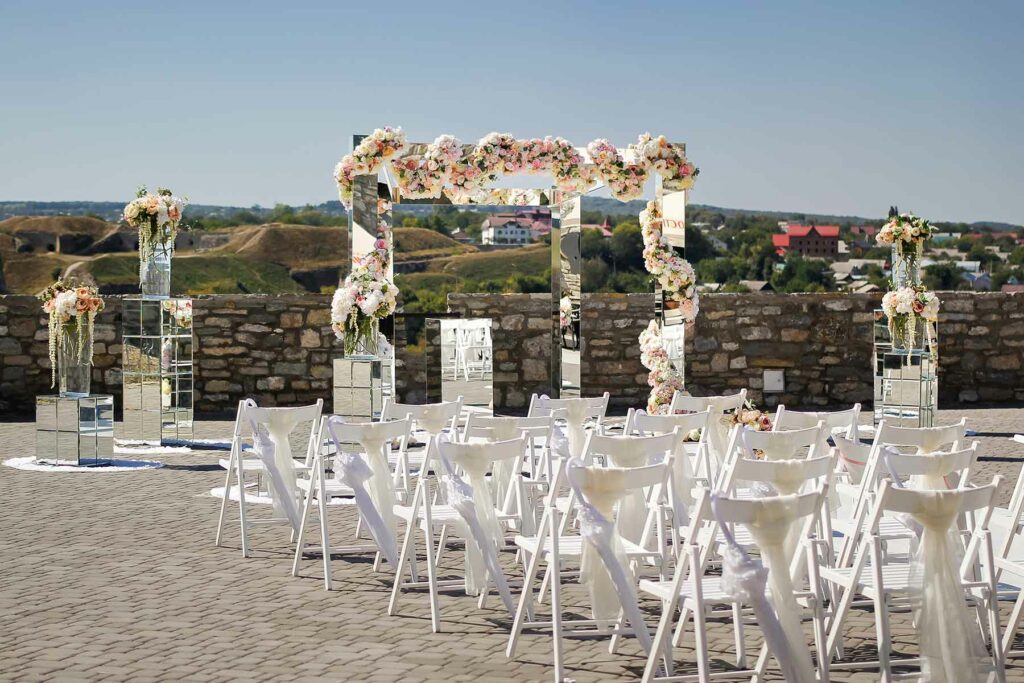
360 386
157 371
74 431
906 391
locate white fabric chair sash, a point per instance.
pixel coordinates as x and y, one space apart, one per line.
481 549
604 566
501 474
381 484
632 507
279 466
951 648
600 489
745 579
353 471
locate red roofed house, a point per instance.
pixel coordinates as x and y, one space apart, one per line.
812 241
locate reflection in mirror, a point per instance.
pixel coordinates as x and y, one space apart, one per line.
467 362
569 267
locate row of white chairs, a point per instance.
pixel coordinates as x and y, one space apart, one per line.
466 348
826 523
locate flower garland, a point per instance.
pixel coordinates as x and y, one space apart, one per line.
674 273
905 230
464 174
366 296
663 378
366 159
156 216
71 309
903 306
424 177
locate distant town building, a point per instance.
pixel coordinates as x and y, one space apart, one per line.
1012 289
506 228
519 227
863 230
812 241
757 285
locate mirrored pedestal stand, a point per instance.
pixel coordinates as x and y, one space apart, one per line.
360 386
75 431
906 380
157 372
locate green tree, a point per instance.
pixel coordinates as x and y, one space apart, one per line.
943 277
627 247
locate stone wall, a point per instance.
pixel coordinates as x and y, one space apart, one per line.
520 342
278 348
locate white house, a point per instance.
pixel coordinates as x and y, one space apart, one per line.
504 228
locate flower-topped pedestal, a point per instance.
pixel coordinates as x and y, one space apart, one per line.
906 343
71 309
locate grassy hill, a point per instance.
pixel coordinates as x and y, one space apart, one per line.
286 245
200 274
533 259
57 225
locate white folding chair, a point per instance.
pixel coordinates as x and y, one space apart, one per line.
845 422
694 594
1009 527
598 489
514 482
272 428
366 477
719 406
576 412
409 460
893 585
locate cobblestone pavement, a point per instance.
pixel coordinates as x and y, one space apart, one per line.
114 576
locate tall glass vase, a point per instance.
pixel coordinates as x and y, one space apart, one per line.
74 361
367 346
155 268
906 267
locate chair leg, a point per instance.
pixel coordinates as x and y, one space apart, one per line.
661 649
882 635
407 544
325 541
737 630
1011 625
300 542
556 616
620 625
224 502
435 610
241 507
701 636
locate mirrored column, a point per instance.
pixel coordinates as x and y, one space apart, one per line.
566 289
672 200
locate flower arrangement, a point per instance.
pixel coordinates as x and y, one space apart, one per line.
674 273
749 417
905 230
663 378
156 216
71 308
902 308
564 312
367 158
363 299
445 167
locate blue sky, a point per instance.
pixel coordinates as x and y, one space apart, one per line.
839 107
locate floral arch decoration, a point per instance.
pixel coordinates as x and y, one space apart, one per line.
465 174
